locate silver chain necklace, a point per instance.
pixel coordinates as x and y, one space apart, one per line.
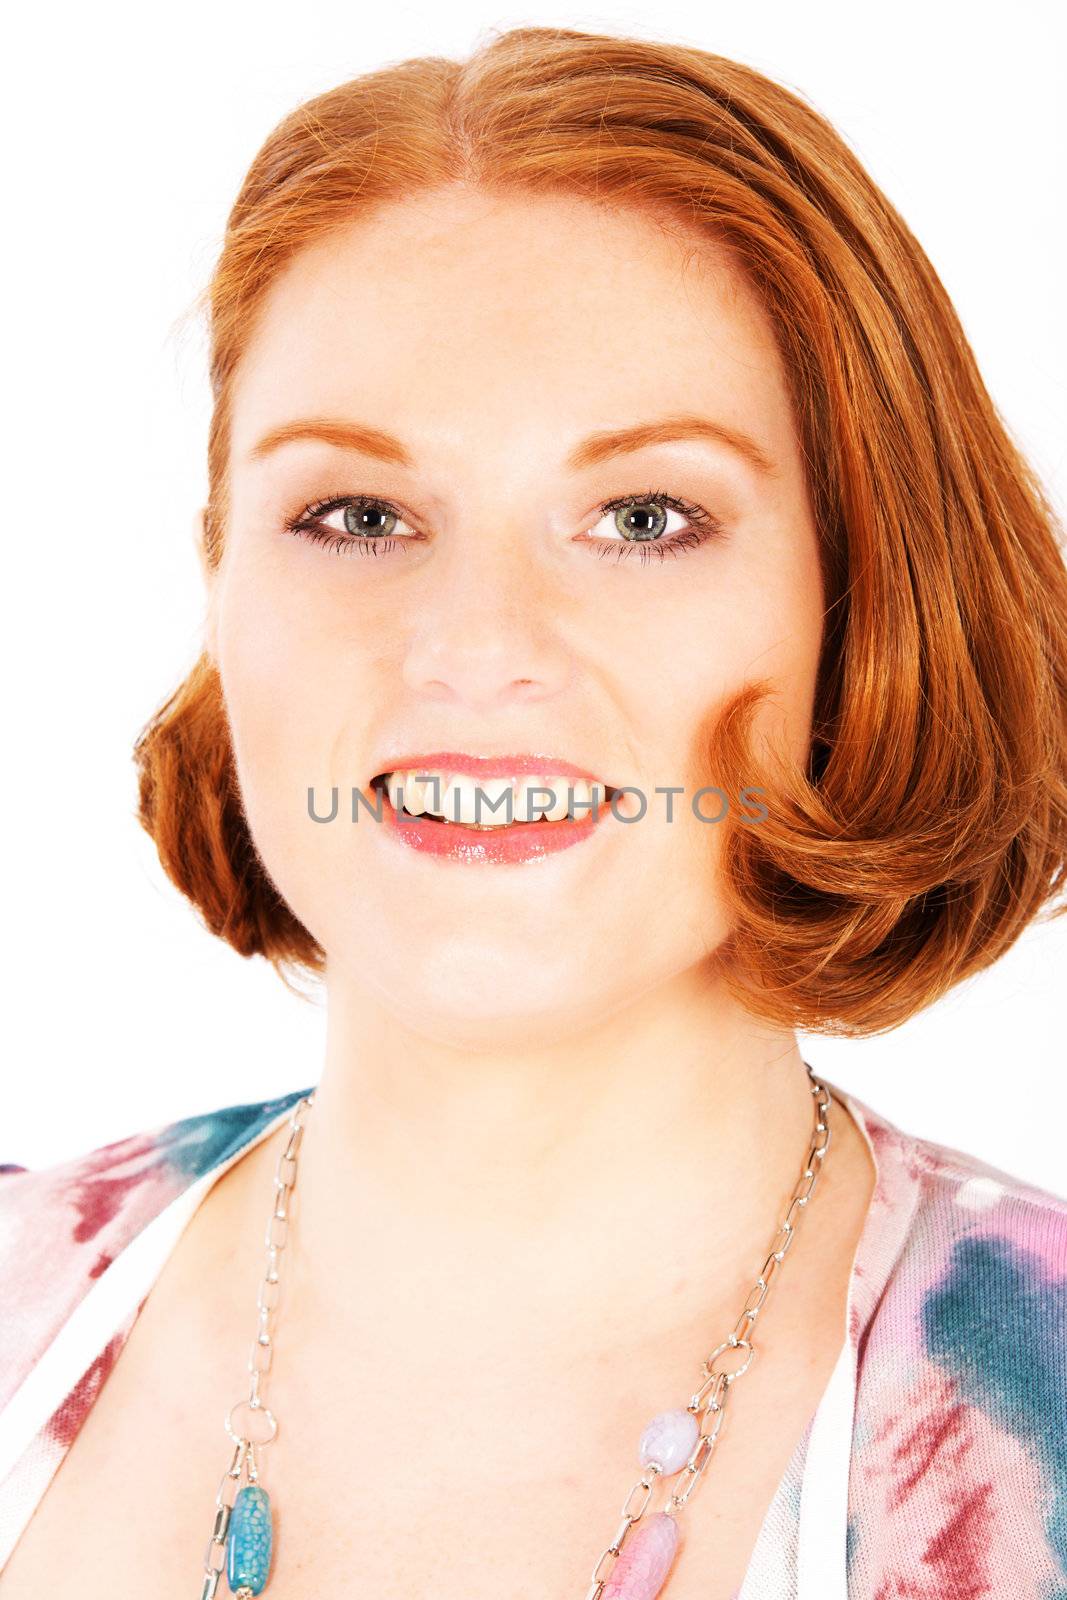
680 1443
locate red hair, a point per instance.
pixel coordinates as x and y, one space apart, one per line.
928 827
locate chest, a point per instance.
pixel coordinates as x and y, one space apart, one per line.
371 1497
414 1472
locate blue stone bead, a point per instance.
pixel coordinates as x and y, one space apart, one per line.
249 1540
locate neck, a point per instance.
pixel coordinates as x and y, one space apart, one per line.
647 1157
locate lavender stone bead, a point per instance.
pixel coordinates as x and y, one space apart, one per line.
669 1439
249 1548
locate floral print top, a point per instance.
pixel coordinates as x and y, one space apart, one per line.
934 1468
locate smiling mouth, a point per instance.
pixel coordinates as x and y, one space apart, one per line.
457 799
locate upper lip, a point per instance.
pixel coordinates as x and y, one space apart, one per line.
505 766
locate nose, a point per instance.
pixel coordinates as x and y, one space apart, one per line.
485 635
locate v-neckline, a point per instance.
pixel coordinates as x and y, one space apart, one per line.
811 1495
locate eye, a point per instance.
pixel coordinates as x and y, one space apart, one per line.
641 525
634 525
362 523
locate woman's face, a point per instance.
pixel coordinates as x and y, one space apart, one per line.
493 372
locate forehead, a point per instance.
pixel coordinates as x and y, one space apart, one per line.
527 310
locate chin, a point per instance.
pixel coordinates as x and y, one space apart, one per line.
467 1000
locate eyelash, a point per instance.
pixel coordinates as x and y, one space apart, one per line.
702 526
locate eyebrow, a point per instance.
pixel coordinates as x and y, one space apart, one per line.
591 452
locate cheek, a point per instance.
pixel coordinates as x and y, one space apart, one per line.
264 675
292 689
760 622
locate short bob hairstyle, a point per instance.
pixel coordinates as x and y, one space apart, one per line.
929 825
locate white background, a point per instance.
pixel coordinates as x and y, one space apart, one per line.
129 129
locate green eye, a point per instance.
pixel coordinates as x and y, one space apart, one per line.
358 518
370 526
643 520
640 520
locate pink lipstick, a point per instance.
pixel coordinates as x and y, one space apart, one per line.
510 843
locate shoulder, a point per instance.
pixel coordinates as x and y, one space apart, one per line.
959 1477
61 1226
981 1244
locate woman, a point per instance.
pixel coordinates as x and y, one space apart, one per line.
583 415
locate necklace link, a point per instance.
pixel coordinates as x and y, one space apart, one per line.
252 1553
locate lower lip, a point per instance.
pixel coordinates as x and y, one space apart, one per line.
514 842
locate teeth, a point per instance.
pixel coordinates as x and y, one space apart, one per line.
529 805
462 802
414 794
458 797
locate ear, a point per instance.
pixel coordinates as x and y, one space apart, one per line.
210 579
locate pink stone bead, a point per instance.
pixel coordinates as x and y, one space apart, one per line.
644 1561
669 1439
